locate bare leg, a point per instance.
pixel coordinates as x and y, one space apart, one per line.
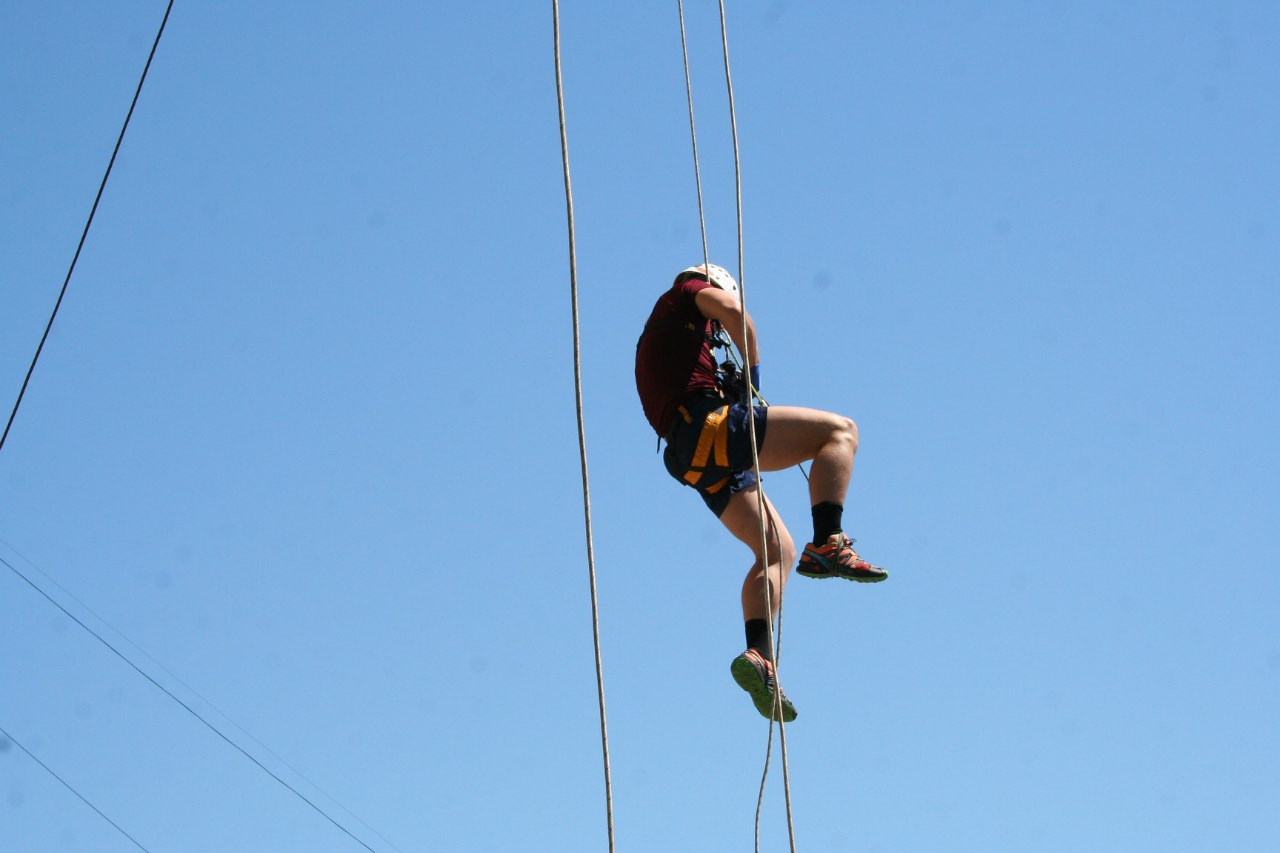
742 518
831 441
796 435
753 669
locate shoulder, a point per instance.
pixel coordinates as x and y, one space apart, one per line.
691 287
716 304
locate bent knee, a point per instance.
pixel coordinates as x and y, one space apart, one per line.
781 557
787 557
846 432
781 549
776 544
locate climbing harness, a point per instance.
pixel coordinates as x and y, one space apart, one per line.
697 452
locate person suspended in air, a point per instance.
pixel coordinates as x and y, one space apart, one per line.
702 412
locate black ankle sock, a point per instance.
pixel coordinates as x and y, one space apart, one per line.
758 637
827 518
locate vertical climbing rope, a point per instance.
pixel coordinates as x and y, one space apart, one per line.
693 135
773 632
775 635
85 234
582 434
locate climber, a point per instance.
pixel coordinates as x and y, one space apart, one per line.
701 411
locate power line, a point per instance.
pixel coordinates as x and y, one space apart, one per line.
85 233
67 785
185 706
196 693
18 402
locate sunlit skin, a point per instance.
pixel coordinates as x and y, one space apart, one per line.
794 435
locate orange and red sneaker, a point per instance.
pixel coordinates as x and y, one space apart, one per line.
837 559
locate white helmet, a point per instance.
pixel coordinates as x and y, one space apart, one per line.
719 276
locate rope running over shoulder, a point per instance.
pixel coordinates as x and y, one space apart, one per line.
582 434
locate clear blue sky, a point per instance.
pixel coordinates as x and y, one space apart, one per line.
304 431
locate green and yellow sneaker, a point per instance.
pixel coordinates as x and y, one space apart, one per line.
754 674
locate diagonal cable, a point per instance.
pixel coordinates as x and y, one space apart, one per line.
67 785
140 650
192 711
85 234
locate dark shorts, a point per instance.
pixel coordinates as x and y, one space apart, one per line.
726 469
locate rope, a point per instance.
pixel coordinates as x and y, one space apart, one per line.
582 434
185 706
693 134
67 785
775 634
85 234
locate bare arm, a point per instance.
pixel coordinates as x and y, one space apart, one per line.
715 304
